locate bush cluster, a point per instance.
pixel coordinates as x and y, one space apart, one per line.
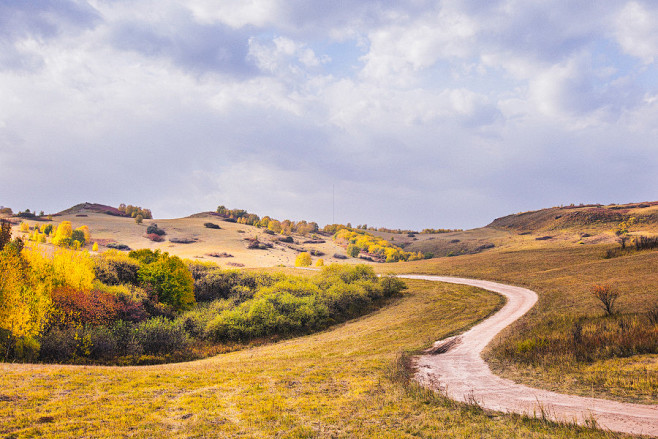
137 308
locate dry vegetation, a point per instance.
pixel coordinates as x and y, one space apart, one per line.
346 381
563 277
339 383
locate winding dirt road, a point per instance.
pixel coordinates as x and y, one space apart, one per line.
457 368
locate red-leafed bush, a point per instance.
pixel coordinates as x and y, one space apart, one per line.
154 237
73 307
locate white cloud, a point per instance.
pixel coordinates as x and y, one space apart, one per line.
480 107
636 31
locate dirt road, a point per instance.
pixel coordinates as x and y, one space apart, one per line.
463 375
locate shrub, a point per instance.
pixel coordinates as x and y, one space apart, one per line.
182 240
24 296
26 349
114 268
607 296
125 335
117 246
94 247
170 280
58 345
153 228
103 344
212 225
161 336
353 250
145 255
303 260
5 233
154 237
319 263
75 307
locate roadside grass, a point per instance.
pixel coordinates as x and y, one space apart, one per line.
340 383
563 277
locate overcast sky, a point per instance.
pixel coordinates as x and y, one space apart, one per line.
419 113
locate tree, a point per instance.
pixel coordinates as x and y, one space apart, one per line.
607 296
5 233
320 263
353 250
63 234
139 218
24 301
170 279
77 238
303 260
94 247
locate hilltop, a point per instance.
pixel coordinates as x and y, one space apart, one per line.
87 208
592 216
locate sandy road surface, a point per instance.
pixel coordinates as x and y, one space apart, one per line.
463 375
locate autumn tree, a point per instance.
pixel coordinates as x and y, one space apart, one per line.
63 234
303 260
24 300
5 233
167 276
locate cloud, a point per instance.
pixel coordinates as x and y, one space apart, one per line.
636 30
420 114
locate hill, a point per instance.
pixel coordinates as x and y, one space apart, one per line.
230 245
86 208
565 225
578 217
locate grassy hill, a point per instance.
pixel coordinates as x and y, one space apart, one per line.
347 381
230 239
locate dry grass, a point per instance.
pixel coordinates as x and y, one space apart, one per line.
562 276
230 239
337 383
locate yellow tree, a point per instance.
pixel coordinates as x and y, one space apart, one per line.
24 301
303 260
63 233
85 231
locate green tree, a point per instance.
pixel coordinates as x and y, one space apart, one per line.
353 250
170 279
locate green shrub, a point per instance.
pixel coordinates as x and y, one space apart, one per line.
295 305
114 268
153 228
26 349
103 344
58 345
161 336
167 277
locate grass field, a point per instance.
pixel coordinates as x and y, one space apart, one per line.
562 276
338 383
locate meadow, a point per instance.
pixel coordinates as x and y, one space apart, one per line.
563 276
353 379
343 382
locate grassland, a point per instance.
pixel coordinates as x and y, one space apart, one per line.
562 276
339 383
344 382
229 239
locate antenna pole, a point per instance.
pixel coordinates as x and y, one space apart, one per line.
333 204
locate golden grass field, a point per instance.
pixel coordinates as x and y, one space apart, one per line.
230 239
342 382
336 384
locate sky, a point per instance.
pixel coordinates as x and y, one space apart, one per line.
415 114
